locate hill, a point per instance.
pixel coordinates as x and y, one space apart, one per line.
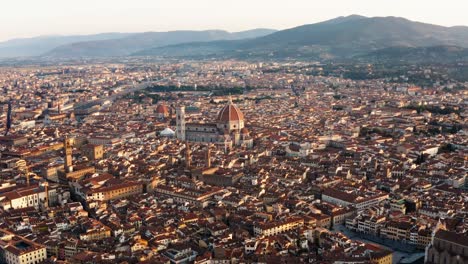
343 37
149 40
433 54
26 47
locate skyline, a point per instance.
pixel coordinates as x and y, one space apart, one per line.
53 17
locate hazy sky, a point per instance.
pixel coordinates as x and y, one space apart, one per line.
26 18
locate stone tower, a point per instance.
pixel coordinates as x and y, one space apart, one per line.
180 122
208 156
188 156
67 145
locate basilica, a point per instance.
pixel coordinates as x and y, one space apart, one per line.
227 131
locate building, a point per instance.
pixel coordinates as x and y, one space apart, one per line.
12 163
162 111
19 250
382 256
228 130
93 152
358 200
196 197
398 205
274 228
447 248
104 140
31 196
95 230
67 145
72 173
180 254
220 177
55 118
104 188
397 230
13 140
167 132
366 224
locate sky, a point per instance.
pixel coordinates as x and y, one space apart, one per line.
28 18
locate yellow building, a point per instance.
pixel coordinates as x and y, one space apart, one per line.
382 257
274 228
19 250
95 231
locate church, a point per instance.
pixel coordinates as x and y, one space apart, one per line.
227 131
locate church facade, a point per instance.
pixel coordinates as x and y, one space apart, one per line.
228 130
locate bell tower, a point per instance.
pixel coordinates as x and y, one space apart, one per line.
180 122
188 156
208 156
67 145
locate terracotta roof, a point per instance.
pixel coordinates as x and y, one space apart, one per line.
162 109
461 239
230 112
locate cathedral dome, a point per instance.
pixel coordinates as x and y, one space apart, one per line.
162 109
229 113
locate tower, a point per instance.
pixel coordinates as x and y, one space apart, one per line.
180 122
236 137
8 122
188 155
208 156
27 177
68 154
46 189
58 106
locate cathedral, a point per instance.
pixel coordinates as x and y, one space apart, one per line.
227 131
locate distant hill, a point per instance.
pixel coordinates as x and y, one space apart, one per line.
343 37
433 54
26 47
149 40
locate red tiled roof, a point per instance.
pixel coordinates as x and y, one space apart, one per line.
230 112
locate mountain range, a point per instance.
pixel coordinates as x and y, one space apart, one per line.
114 44
37 46
141 41
350 37
344 37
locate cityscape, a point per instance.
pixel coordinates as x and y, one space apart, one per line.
241 148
